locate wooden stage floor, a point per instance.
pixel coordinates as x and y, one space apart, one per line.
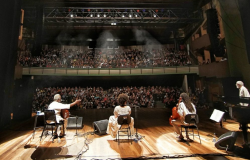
159 141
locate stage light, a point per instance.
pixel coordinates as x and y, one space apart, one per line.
98 15
126 10
91 15
69 10
104 15
154 15
130 15
101 10
144 10
71 15
136 15
82 10
123 15
138 10
156 10
88 10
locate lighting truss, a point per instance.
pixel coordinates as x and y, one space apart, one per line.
120 15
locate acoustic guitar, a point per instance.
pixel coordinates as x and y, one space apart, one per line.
65 113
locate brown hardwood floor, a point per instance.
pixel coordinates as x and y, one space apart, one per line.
158 142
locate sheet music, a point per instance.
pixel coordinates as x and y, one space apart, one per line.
217 115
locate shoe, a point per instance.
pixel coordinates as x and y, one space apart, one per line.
180 138
55 136
62 135
189 140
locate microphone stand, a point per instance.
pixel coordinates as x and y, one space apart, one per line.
138 137
76 123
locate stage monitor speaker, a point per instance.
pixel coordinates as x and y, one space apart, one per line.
74 123
226 141
100 127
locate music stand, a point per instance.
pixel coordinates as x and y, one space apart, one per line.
216 116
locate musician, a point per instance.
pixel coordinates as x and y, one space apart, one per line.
184 107
57 106
243 92
122 109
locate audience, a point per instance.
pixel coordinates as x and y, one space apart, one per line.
97 97
104 59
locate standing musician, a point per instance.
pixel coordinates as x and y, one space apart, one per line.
57 106
183 108
243 92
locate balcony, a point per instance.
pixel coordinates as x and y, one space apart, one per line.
110 72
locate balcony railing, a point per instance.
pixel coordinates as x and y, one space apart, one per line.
110 71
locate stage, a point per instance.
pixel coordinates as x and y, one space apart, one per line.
158 140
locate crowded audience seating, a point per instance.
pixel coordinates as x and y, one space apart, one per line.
104 59
97 97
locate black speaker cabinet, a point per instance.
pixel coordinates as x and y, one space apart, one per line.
74 123
226 141
100 127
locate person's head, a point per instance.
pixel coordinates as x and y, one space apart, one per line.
122 99
57 97
239 84
186 100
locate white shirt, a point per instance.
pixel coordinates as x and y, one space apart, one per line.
183 111
57 107
122 110
243 92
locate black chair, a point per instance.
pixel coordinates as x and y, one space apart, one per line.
124 121
192 120
50 122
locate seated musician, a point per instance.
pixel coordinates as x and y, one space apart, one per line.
122 109
57 106
183 108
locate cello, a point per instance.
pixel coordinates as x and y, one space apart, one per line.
175 115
